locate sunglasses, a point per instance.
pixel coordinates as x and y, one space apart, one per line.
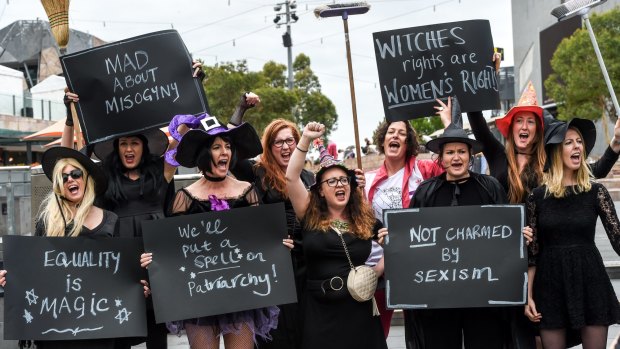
75 174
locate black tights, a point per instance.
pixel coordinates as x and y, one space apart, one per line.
593 337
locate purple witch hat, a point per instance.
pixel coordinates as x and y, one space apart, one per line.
243 138
327 161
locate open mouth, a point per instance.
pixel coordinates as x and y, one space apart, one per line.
340 194
456 165
394 145
285 155
73 188
576 157
130 158
222 164
524 136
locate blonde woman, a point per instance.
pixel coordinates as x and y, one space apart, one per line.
68 211
569 290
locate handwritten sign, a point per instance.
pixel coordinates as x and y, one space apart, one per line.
418 65
73 288
219 262
455 257
133 84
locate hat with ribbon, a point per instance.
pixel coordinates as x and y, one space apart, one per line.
327 161
52 155
155 138
244 140
527 103
556 132
454 133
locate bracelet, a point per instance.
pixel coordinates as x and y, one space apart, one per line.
301 150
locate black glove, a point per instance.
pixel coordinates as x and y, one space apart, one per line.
67 102
237 118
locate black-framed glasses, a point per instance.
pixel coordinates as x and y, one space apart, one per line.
75 174
280 142
332 182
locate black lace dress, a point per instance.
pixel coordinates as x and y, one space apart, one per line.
260 321
571 288
333 319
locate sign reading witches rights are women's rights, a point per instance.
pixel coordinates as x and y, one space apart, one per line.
455 257
418 65
73 288
219 262
133 85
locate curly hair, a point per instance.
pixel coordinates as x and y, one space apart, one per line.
412 138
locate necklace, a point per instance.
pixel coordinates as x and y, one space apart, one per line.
340 225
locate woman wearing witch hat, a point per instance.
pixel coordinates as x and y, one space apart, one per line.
569 290
68 211
458 186
214 149
334 214
140 187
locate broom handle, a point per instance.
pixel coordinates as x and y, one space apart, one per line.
76 127
358 152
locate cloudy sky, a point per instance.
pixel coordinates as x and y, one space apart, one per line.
231 30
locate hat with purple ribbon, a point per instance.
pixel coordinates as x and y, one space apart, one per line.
243 138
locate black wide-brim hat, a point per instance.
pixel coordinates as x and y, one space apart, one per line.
244 140
52 155
453 134
155 138
556 132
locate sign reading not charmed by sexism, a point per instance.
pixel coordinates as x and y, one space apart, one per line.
133 84
418 65
73 288
219 262
455 257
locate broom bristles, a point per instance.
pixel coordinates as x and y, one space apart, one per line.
58 14
332 10
570 7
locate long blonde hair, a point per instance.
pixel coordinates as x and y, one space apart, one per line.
553 178
517 191
55 212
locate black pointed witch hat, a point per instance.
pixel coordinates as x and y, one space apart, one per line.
454 133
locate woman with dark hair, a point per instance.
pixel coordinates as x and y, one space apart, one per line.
140 187
214 149
337 224
68 211
392 185
569 291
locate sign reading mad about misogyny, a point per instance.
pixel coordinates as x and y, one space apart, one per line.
418 65
73 288
219 262
455 257
133 84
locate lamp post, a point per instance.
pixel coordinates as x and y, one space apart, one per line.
289 17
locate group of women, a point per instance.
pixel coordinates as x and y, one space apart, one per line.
334 219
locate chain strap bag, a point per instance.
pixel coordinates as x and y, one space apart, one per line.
362 280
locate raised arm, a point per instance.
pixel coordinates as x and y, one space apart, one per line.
297 192
67 132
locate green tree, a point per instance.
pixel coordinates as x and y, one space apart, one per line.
226 82
577 84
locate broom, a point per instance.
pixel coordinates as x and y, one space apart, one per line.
58 14
344 10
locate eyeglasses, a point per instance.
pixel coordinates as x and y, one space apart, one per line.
280 142
332 182
75 174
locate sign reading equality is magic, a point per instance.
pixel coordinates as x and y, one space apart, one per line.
455 257
418 65
132 85
73 288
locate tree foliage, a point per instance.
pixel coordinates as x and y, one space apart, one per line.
577 84
226 82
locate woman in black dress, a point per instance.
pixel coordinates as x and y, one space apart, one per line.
568 288
332 318
68 211
214 150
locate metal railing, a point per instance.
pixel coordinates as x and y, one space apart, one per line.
22 105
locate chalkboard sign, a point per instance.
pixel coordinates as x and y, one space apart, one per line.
133 84
219 262
418 65
455 257
73 288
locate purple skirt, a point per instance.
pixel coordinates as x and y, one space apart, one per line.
260 321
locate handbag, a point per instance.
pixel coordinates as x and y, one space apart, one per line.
361 281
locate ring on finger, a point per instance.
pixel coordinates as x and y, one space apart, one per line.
440 109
